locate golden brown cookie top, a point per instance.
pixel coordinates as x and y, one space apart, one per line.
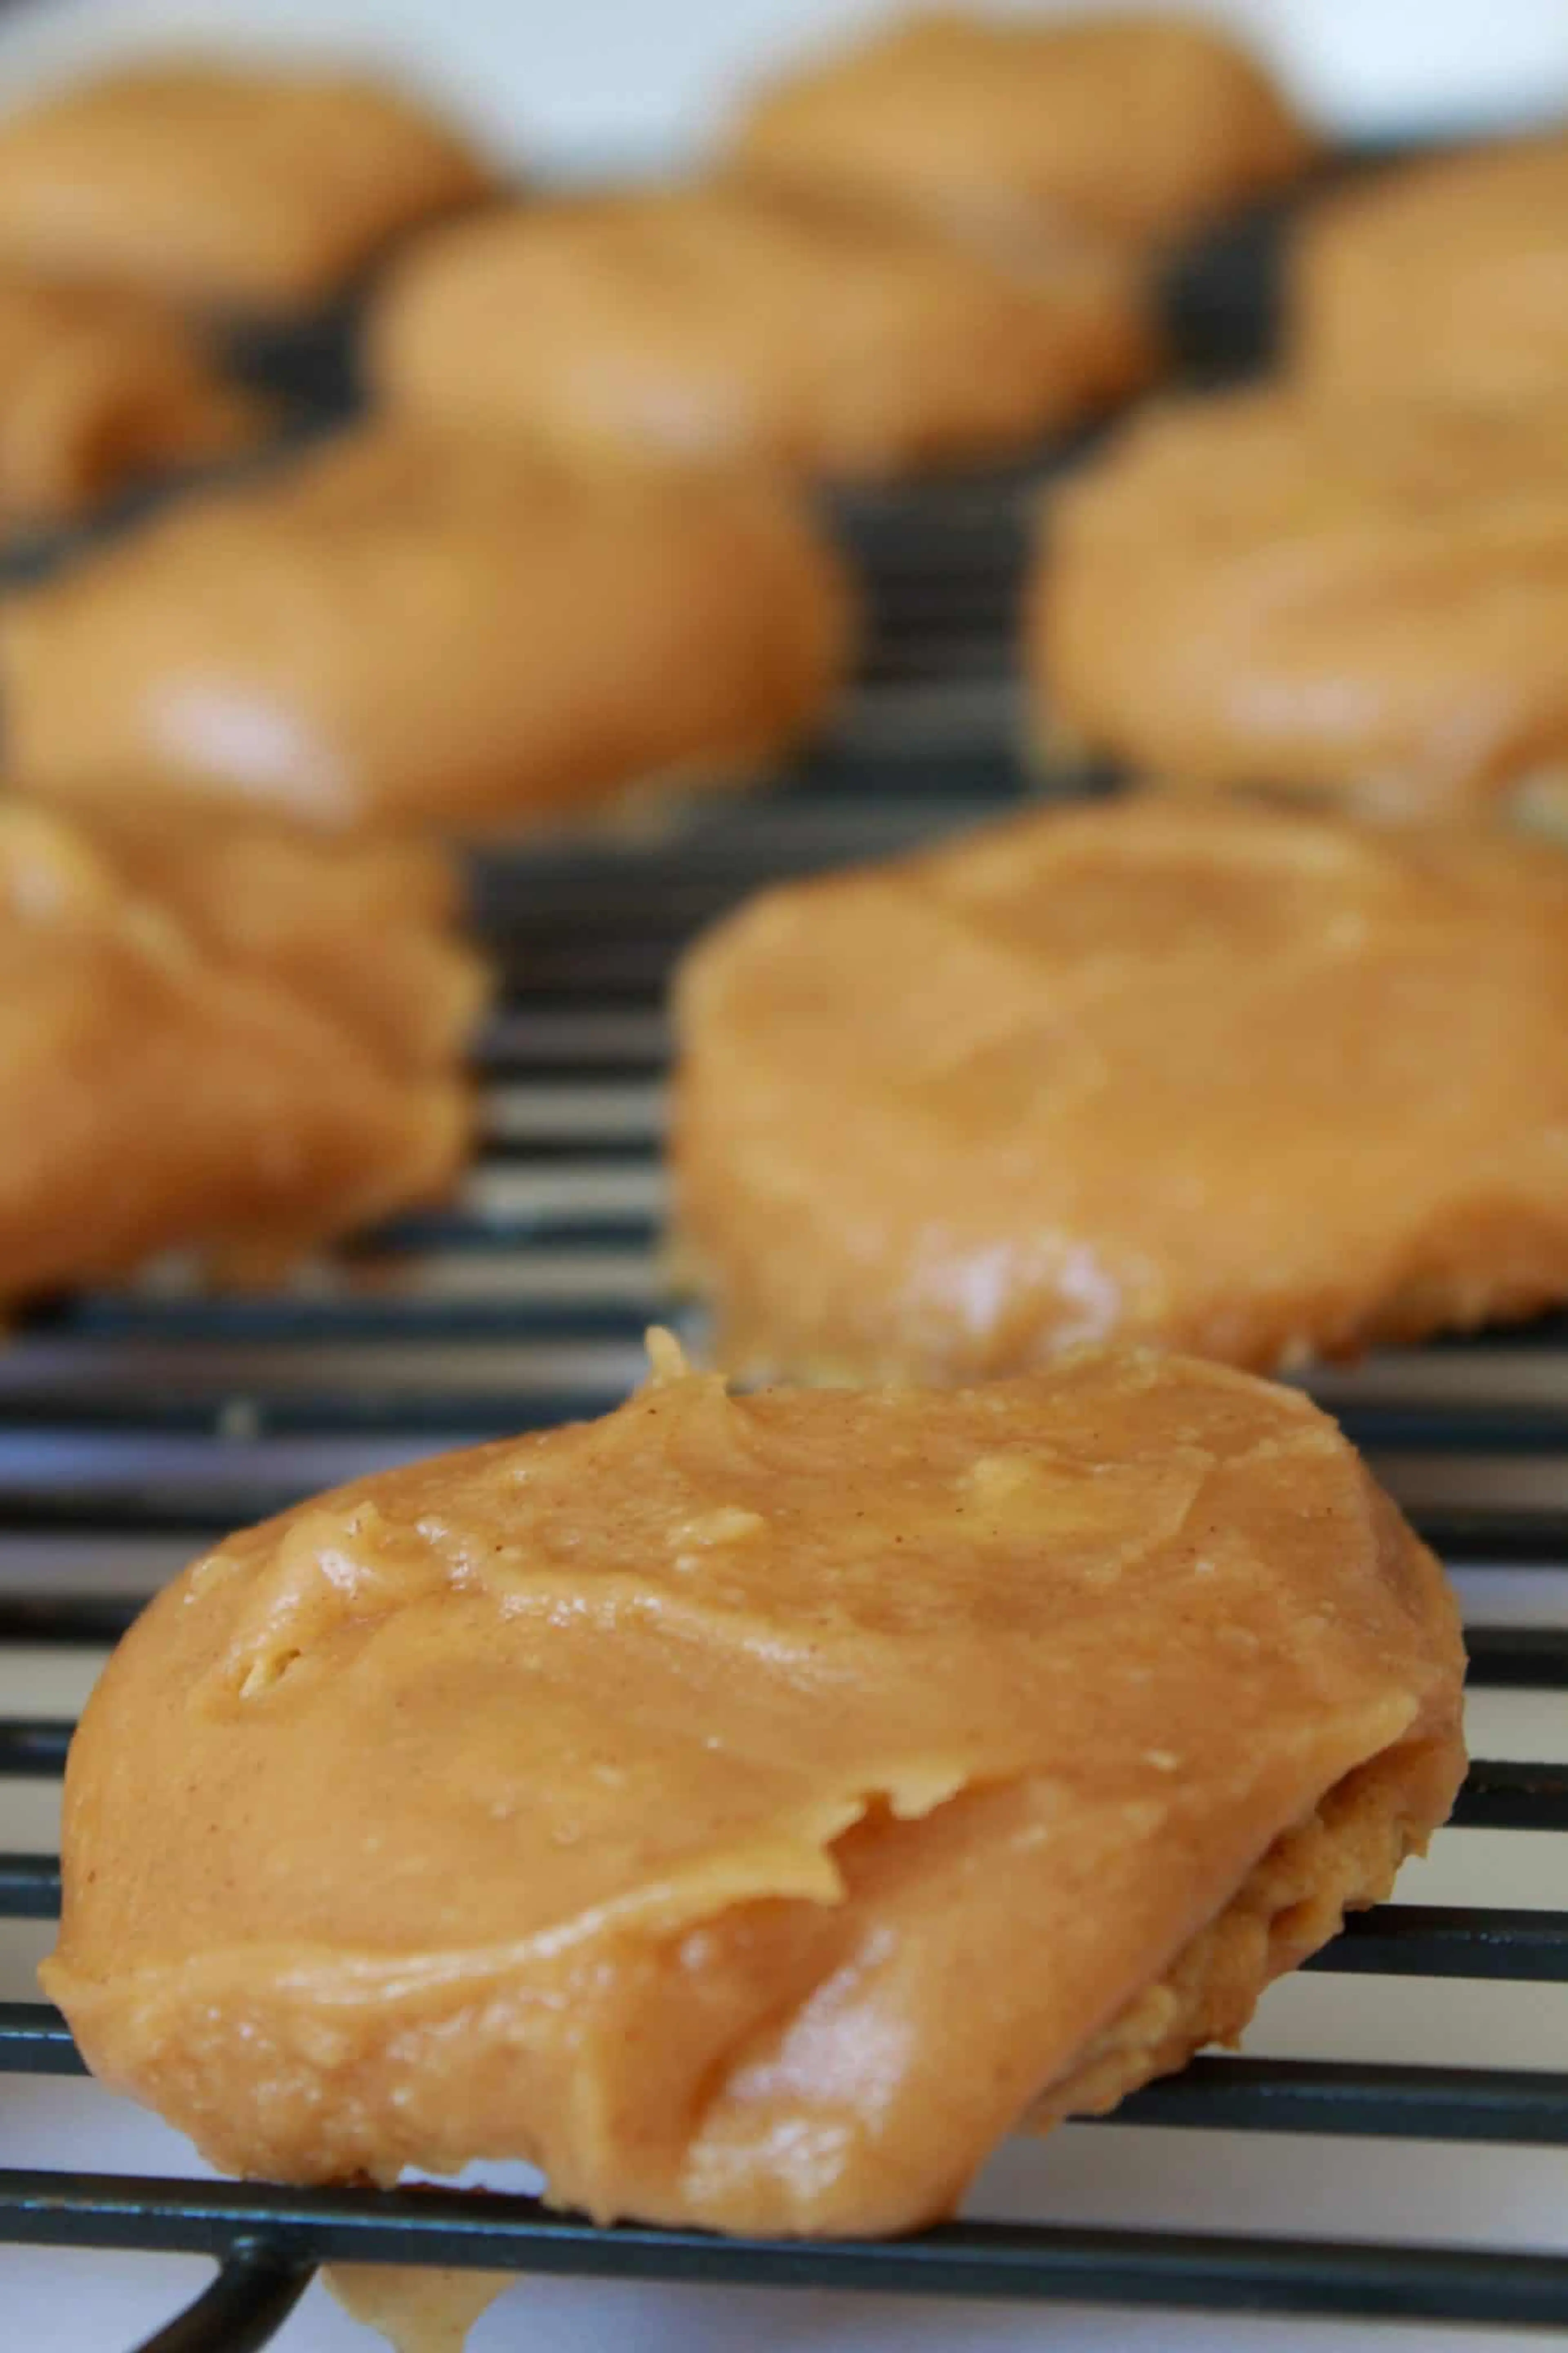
1245 1083
1444 277
1138 126
1365 599
245 188
369 925
527 1731
257 1036
460 632
101 387
716 319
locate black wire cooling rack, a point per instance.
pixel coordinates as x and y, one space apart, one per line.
136 1427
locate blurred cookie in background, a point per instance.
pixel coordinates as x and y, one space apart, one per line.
227 1041
1446 276
475 637
241 189
1366 602
721 320
1138 127
102 390
1252 1084
370 925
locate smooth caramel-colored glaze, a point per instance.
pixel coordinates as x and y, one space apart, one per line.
452 632
245 189
224 1039
1139 127
715 320
368 927
747 1809
1255 1084
100 388
1443 277
1367 602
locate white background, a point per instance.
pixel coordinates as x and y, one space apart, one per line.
555 79
565 82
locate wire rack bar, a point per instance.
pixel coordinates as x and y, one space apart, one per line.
36 2040
977 2258
29 1887
1506 1795
244 2308
1425 1940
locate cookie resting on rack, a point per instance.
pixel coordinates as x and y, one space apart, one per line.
221 1038
717 320
101 390
469 635
1441 278
1257 1084
240 188
749 1810
1140 127
1364 602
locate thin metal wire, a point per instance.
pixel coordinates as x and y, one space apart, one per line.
244 2307
1179 2269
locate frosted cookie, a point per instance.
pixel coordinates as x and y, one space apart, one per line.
715 319
245 189
225 1040
1253 1084
1447 276
101 390
465 635
1140 127
370 925
1367 602
748 1810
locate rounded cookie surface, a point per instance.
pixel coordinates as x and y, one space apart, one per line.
453 632
1255 1084
221 1038
718 320
1446 277
370 926
1363 601
100 389
244 189
705 1802
1140 127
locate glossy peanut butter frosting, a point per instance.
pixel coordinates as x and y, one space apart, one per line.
747 1808
102 388
1447 276
717 320
465 634
217 1037
1252 1084
1363 600
242 188
1138 125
